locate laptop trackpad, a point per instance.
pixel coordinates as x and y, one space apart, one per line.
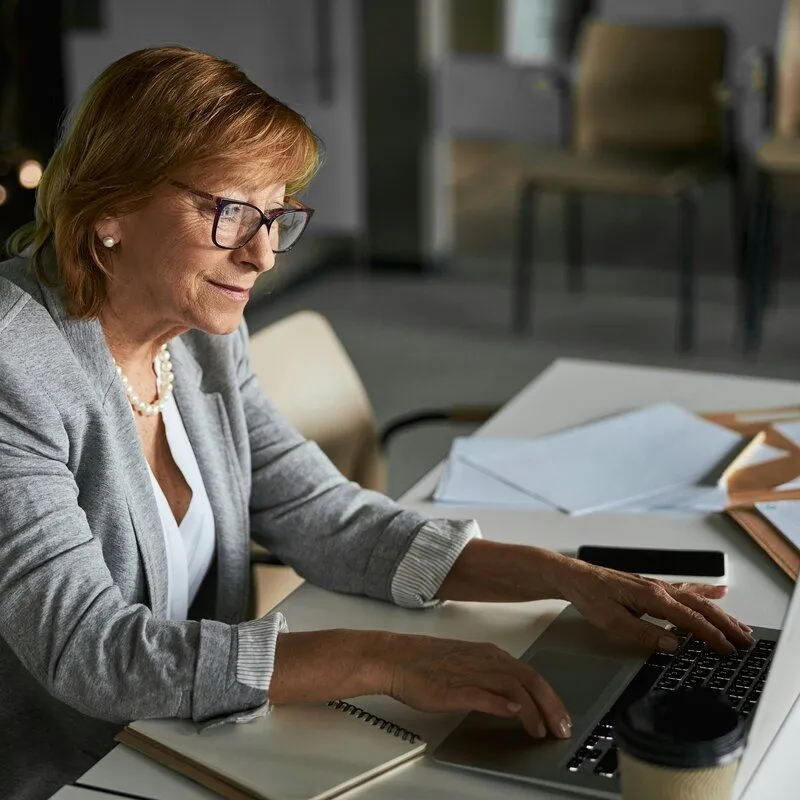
578 680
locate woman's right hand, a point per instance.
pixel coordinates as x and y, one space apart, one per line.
432 674
424 672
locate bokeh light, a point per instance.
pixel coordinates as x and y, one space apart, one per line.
30 173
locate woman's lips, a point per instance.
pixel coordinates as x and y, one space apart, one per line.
232 291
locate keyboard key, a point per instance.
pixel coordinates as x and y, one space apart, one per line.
668 683
660 659
592 741
603 731
589 753
692 682
574 765
607 766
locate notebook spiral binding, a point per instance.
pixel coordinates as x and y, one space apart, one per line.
371 719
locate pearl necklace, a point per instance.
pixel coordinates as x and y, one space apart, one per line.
165 382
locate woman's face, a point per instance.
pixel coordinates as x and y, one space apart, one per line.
169 273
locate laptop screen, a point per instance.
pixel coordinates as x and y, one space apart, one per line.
780 693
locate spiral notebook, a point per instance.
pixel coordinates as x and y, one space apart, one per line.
306 752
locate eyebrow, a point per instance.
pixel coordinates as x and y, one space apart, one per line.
211 196
279 202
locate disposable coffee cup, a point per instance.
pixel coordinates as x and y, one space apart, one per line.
681 745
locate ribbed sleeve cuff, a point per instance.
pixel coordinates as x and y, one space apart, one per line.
430 557
255 659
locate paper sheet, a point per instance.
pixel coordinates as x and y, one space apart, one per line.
462 484
615 461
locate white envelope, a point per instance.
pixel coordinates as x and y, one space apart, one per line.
615 461
463 484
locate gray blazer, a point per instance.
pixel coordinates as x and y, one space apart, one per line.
85 644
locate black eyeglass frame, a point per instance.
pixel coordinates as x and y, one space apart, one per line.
266 219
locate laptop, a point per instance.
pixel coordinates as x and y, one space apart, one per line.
596 677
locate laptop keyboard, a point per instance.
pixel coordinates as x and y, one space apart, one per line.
740 677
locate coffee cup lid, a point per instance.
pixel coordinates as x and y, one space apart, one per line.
687 728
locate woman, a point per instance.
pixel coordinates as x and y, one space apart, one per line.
138 456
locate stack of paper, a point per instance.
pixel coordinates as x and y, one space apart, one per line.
661 456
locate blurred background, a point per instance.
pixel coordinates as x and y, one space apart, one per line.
506 182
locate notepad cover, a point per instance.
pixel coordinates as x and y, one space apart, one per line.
306 752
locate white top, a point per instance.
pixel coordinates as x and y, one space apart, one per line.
190 545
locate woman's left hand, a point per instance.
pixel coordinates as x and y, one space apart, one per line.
615 601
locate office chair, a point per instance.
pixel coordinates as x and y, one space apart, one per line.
777 175
303 368
649 118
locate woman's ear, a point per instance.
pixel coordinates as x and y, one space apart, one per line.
109 232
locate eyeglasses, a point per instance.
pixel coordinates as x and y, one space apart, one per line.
236 222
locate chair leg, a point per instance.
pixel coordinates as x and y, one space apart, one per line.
740 229
573 245
774 255
757 264
523 266
687 212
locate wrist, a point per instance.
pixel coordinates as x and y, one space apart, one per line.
375 660
325 665
557 572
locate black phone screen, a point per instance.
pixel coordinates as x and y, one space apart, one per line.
707 563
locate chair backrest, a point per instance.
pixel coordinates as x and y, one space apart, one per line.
649 88
303 368
787 88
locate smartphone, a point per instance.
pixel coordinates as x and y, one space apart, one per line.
695 566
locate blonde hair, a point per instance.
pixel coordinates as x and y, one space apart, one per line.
152 114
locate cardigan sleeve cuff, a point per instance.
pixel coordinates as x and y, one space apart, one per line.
255 659
254 644
429 559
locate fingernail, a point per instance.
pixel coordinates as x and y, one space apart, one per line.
668 643
541 731
564 729
514 707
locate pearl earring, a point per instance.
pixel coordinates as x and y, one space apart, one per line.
108 241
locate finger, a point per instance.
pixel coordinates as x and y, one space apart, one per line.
729 625
514 692
554 713
661 604
472 698
626 625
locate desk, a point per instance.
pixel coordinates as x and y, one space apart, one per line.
567 393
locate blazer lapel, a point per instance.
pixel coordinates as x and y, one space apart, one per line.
89 346
207 427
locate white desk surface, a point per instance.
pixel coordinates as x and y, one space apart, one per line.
567 393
